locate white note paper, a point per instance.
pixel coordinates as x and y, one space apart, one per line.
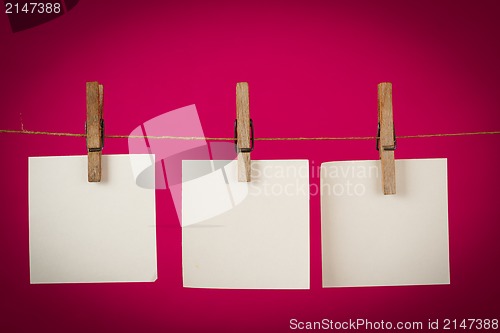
90 232
245 235
372 239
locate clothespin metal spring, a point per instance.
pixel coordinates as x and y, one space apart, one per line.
387 148
243 150
91 150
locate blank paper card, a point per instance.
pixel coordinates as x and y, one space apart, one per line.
372 239
239 235
90 232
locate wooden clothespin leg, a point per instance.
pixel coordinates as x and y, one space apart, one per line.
95 130
243 128
386 143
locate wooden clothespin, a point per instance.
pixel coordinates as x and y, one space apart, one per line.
94 128
386 137
243 132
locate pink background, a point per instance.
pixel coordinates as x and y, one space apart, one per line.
312 67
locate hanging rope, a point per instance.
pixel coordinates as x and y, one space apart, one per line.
170 137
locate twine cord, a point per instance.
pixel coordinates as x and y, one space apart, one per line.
170 137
